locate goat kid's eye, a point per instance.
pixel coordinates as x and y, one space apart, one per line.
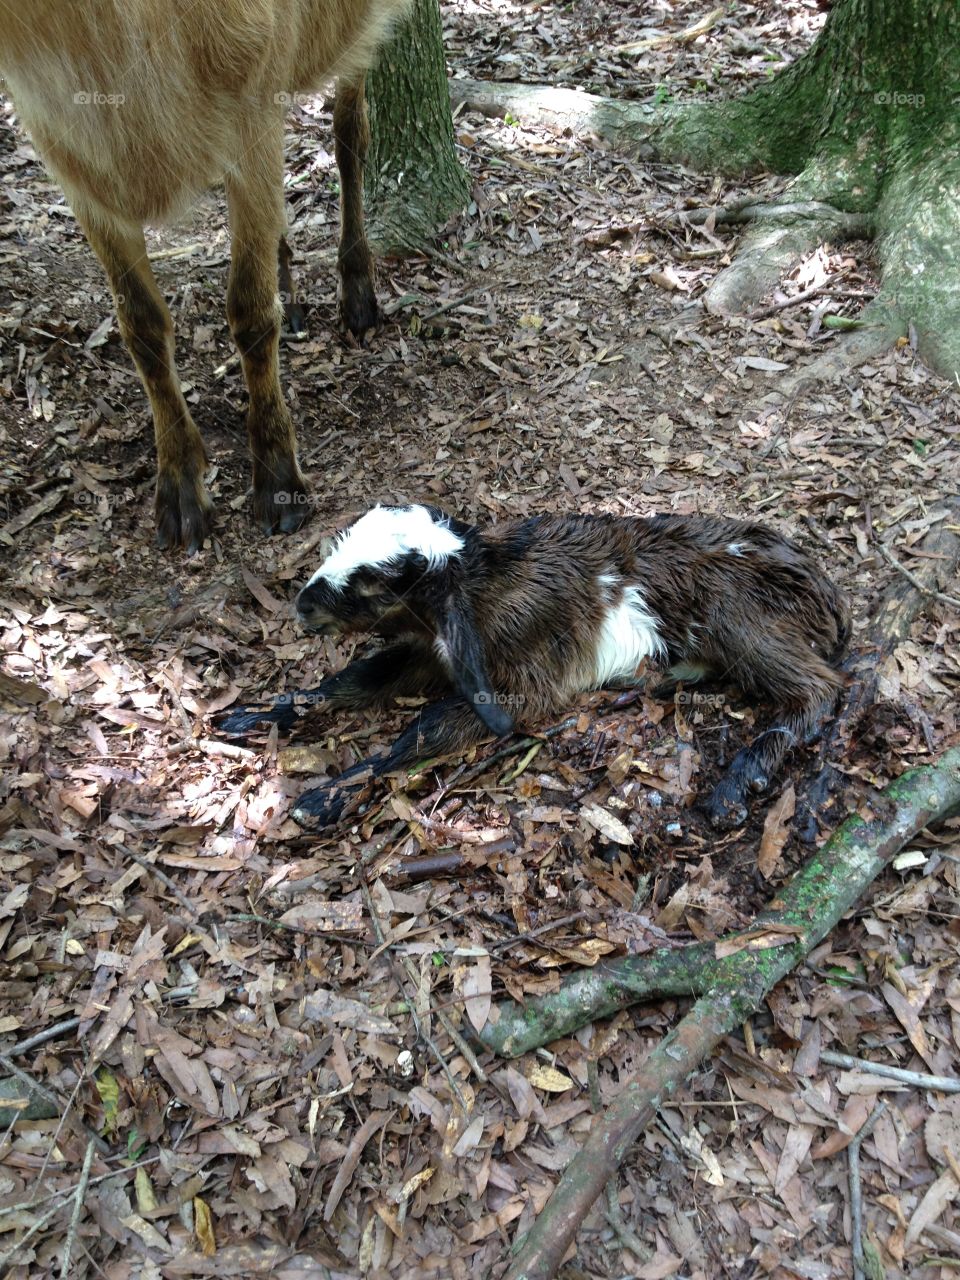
371 589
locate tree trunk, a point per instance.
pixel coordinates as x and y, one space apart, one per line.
414 181
867 120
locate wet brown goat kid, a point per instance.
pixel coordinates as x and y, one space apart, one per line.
512 622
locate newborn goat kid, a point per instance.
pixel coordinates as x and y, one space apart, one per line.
520 618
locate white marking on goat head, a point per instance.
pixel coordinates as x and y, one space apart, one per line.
385 534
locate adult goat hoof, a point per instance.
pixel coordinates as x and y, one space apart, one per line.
281 499
183 511
359 309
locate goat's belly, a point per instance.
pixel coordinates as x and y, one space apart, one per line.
138 162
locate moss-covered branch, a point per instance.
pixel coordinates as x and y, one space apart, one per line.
802 914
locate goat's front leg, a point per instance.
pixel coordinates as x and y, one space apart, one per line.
351 137
182 506
444 728
399 670
255 203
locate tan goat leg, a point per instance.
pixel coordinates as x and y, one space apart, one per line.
351 137
183 508
255 204
293 313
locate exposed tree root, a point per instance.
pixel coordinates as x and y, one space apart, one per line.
805 912
768 249
879 182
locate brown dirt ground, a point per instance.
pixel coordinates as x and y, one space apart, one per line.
256 1070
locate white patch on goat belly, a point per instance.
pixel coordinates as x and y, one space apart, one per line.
628 634
736 548
385 534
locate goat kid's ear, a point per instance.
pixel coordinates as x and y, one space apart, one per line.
463 649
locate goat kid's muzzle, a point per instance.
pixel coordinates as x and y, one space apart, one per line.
313 617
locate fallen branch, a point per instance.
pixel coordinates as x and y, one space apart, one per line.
901 603
807 909
914 581
686 36
856 1203
916 1079
600 992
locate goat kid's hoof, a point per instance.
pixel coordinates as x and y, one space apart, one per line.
183 511
295 322
725 809
241 721
318 808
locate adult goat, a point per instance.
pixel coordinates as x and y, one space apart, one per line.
136 107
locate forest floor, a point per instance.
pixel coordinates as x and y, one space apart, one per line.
250 1078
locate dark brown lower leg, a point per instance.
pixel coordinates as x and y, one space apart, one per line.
351 136
183 508
255 203
294 315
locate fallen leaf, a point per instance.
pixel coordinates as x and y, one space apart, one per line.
776 831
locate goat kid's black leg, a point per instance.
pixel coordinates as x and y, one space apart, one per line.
283 711
752 768
449 727
398 670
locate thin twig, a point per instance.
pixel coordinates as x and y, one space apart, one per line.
79 1195
453 303
249 918
41 1091
856 1203
803 296
162 876
458 1040
48 1033
914 580
37 1226
530 934
65 1192
616 1221
211 747
418 1025
54 1143
919 1079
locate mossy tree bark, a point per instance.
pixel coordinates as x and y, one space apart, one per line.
867 121
414 181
